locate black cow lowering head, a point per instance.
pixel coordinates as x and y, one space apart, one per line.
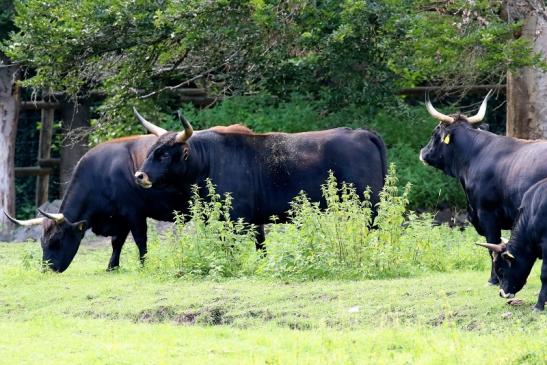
60 239
511 268
439 152
164 155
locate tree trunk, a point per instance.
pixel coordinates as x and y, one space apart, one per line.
9 115
74 126
527 88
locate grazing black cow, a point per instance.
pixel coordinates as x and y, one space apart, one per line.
263 172
514 260
494 171
103 196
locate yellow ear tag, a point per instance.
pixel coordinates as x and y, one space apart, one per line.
446 139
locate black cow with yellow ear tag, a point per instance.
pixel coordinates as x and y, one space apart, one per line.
494 171
514 260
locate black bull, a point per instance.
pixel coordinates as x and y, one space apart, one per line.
263 172
103 196
514 260
494 171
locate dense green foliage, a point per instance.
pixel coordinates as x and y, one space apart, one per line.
335 243
343 52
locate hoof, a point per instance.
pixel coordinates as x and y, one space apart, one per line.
537 310
114 268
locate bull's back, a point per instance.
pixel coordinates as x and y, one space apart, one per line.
301 162
512 172
105 176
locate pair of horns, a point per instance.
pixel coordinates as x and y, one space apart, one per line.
158 131
56 217
448 119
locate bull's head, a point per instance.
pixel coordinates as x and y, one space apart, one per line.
60 238
439 152
165 155
512 268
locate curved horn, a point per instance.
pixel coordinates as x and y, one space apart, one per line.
187 133
493 247
435 114
482 110
57 217
26 223
152 128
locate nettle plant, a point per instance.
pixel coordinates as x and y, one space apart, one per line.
207 242
345 241
340 239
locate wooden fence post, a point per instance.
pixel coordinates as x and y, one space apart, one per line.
44 152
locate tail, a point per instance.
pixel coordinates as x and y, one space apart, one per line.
379 143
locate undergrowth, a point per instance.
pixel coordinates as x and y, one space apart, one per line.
338 238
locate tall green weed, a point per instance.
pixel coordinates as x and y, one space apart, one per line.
337 238
211 244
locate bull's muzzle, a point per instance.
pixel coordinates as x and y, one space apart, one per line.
142 180
503 294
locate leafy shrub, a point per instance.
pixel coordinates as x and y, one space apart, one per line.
338 243
212 245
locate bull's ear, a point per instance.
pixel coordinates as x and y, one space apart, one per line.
508 256
484 127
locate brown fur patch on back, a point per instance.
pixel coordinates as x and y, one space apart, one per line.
234 128
125 139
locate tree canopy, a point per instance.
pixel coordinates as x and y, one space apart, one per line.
344 52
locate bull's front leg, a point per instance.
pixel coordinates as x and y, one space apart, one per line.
542 297
138 231
491 230
117 243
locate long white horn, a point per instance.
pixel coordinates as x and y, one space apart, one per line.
26 223
482 110
493 247
57 217
188 130
152 128
435 114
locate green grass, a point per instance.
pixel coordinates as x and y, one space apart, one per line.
88 316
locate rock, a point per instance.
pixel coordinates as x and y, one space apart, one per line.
354 309
515 302
507 315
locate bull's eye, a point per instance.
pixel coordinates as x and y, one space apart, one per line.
165 155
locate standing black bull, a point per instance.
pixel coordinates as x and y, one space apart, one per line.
263 172
103 196
514 260
495 171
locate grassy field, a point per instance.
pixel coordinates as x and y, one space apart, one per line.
87 316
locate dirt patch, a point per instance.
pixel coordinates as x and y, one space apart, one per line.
186 319
156 315
214 315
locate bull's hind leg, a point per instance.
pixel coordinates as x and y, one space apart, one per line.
260 238
542 297
117 244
